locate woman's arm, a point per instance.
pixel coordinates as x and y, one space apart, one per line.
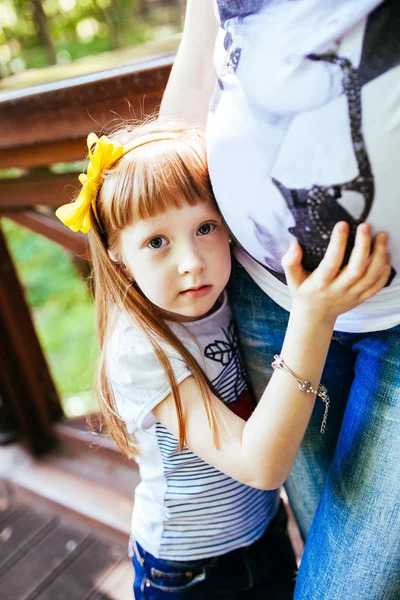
261 451
192 78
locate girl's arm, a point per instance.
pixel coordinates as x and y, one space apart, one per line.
192 78
261 451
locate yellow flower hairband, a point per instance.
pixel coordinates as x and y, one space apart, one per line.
76 215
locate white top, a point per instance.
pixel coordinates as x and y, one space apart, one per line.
299 142
184 508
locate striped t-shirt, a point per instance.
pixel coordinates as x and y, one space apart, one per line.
184 508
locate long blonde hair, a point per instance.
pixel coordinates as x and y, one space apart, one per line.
145 182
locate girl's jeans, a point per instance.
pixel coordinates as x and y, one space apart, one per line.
263 571
350 475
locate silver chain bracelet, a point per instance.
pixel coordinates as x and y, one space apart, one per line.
305 386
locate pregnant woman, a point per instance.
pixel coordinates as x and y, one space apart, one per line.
302 103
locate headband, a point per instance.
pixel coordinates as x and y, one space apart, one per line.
76 214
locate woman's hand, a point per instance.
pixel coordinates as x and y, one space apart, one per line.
330 291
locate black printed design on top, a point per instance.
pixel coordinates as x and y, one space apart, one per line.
316 210
231 383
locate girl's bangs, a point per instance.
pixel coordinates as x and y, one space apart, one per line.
154 178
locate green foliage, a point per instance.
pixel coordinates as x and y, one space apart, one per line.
76 28
62 309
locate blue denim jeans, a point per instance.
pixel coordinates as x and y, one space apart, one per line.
348 478
263 571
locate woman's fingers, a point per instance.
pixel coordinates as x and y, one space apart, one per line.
377 265
379 283
359 256
378 257
291 263
364 275
334 255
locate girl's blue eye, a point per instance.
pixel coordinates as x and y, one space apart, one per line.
157 242
206 228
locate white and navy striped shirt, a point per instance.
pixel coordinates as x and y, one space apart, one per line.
184 508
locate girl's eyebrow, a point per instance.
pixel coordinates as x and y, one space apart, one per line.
146 237
149 229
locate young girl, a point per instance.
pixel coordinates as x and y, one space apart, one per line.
207 520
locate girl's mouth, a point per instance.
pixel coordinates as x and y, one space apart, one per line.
197 292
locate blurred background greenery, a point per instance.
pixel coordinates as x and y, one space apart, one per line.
35 34
47 40
62 309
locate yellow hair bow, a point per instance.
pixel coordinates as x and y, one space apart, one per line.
75 215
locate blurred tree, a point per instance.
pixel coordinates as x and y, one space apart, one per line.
109 15
42 29
143 8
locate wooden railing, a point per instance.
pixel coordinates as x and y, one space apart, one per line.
40 127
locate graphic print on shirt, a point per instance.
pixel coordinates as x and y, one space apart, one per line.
317 210
319 105
231 383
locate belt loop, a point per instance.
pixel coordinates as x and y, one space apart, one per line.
139 557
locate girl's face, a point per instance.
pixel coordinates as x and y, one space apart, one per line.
179 259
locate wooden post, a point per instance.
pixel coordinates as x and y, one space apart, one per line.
27 383
39 127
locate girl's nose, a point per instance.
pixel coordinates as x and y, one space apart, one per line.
191 263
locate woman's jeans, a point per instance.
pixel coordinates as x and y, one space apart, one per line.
263 571
350 476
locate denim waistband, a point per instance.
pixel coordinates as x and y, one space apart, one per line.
141 554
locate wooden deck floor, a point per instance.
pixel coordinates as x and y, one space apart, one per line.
64 525
45 556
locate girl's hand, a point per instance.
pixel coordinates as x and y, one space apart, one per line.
330 291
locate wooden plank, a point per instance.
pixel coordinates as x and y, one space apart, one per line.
84 574
43 552
26 380
30 416
53 230
40 565
11 511
84 433
118 585
22 530
99 505
102 494
8 504
41 155
38 187
103 489
5 501
63 123
151 70
72 108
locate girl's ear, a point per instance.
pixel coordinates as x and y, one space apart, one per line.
123 268
113 257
